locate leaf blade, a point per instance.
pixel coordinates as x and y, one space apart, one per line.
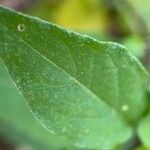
16 122
143 131
63 115
84 60
57 42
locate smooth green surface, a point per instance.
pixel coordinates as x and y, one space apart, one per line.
142 8
136 13
135 44
144 131
76 86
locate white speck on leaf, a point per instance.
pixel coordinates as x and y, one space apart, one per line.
125 108
21 27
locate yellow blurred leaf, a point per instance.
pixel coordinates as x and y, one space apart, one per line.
81 15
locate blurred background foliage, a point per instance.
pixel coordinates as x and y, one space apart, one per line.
122 21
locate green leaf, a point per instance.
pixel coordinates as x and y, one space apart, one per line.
141 148
135 44
136 13
17 123
142 10
76 86
144 131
